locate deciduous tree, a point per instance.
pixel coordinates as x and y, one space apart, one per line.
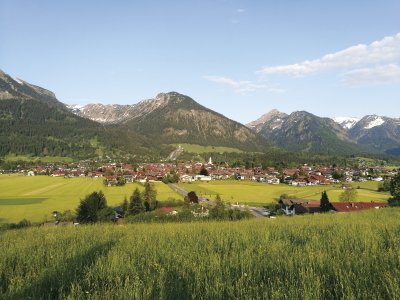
89 209
349 195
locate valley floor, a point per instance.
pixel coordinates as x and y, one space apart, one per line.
35 198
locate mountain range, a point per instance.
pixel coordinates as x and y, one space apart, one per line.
302 131
34 121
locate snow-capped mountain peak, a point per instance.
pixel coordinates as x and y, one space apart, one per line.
375 121
346 122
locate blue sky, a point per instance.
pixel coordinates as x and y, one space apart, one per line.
240 58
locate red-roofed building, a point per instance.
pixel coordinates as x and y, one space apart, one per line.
356 206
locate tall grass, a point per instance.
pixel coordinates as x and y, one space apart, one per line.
348 256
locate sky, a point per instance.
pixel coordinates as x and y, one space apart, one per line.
239 58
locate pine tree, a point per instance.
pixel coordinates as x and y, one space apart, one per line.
136 205
325 204
149 197
125 206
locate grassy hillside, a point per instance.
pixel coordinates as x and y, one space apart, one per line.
13 158
333 256
35 198
193 148
255 193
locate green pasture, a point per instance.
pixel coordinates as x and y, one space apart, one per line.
255 193
12 158
325 256
192 148
34 198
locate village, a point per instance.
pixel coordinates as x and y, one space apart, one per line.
303 175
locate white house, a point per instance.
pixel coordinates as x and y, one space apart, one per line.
202 178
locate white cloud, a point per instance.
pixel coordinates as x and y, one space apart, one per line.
240 10
376 75
241 87
382 51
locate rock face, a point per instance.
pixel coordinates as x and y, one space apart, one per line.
272 119
110 113
14 88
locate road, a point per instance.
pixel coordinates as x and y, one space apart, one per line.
184 193
256 211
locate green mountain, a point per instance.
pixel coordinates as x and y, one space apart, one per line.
34 122
302 131
173 118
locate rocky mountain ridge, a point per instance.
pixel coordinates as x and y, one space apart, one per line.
302 130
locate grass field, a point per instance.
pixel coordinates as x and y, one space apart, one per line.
326 256
12 157
255 193
34 198
192 148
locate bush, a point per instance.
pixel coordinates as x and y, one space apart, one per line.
21 224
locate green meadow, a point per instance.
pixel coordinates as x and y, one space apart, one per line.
34 198
13 157
255 193
193 148
326 256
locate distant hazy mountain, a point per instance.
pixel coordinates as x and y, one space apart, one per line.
302 131
346 122
104 113
380 133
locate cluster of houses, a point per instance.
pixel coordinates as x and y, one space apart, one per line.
191 171
300 206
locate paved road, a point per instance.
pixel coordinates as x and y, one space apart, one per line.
256 211
184 193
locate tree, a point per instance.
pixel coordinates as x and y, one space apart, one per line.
338 176
149 197
192 197
218 202
125 206
186 202
395 186
121 181
384 186
395 191
325 205
136 205
203 171
171 177
218 210
349 195
90 207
